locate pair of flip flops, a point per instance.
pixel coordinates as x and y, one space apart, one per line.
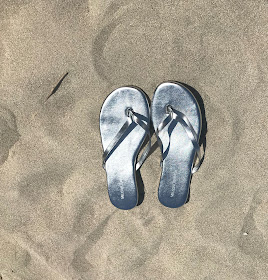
124 124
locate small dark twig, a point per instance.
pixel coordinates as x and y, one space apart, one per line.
57 86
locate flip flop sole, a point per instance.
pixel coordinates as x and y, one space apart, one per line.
177 149
120 166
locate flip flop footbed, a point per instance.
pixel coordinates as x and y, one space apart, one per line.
177 149
120 165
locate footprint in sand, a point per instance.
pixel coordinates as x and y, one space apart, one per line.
111 22
8 133
253 240
126 249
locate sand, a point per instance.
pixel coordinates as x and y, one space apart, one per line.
56 221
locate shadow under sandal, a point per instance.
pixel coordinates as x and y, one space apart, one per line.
176 118
124 125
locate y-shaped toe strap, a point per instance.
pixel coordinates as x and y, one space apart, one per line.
132 117
179 117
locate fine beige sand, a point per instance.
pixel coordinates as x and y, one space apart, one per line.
56 221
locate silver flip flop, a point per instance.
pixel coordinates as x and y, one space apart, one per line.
124 125
176 118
